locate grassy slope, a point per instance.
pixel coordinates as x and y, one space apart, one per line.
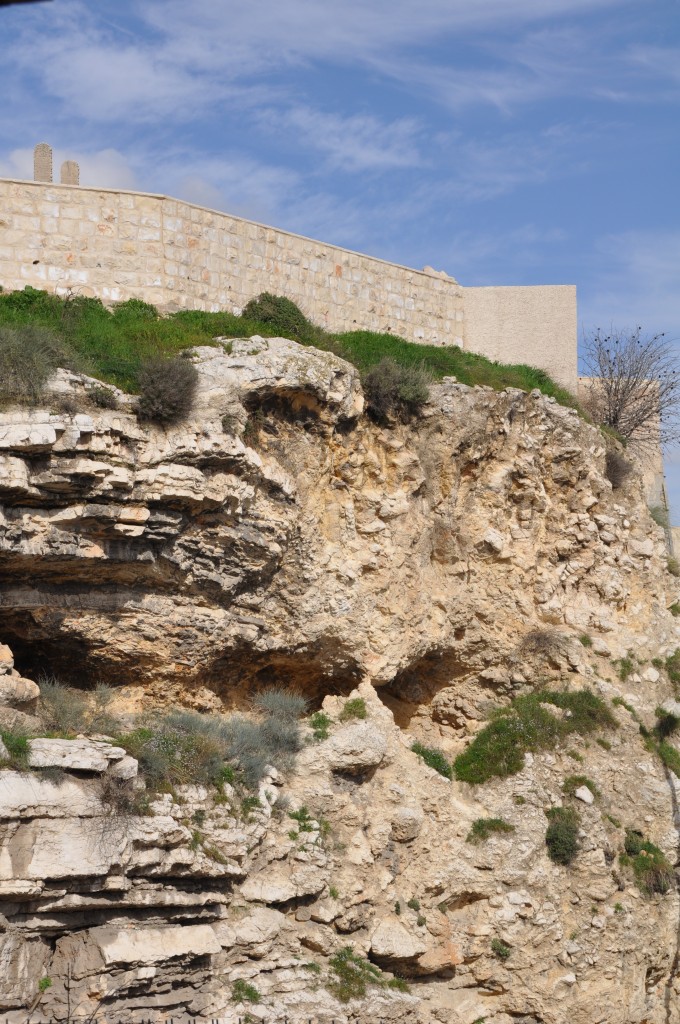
112 345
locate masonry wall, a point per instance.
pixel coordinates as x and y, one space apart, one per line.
119 245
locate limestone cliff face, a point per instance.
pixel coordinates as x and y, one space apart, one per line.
424 564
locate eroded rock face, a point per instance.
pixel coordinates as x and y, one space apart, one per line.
432 570
186 562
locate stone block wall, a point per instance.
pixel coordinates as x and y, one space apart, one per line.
119 245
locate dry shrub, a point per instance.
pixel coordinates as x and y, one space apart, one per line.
167 388
616 468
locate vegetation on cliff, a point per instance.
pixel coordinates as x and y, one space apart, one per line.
113 345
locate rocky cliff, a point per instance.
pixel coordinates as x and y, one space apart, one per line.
431 571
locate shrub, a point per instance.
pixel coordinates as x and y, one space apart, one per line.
134 309
29 355
68 711
242 992
574 782
675 609
413 903
616 468
103 398
625 667
666 724
320 724
44 983
586 640
166 390
281 704
333 892
660 515
354 708
605 744
673 566
526 725
672 666
16 745
351 975
392 390
561 836
434 758
282 314
500 949
653 873
483 828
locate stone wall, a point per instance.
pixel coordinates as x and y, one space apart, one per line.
119 245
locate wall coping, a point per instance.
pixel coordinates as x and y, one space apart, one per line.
224 213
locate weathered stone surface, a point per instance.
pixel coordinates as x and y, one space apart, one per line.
356 748
73 755
434 570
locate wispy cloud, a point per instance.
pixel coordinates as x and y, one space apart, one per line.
358 142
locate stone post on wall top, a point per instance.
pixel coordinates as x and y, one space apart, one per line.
42 162
70 173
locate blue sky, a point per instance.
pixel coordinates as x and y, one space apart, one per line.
505 141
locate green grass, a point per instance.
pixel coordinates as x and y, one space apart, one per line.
672 666
242 992
354 708
498 750
625 668
112 345
434 758
17 748
483 828
574 782
586 640
320 724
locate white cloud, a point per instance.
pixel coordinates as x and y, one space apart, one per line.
189 58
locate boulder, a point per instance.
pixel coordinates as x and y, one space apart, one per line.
356 748
73 755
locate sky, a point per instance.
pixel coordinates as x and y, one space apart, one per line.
504 141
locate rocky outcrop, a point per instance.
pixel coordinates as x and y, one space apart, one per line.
432 570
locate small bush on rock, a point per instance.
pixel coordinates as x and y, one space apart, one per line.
498 750
392 390
354 708
483 828
434 758
166 390
29 355
617 468
16 745
281 704
102 398
243 992
574 782
500 949
351 975
653 872
561 836
320 724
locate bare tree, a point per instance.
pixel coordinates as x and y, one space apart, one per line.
635 385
